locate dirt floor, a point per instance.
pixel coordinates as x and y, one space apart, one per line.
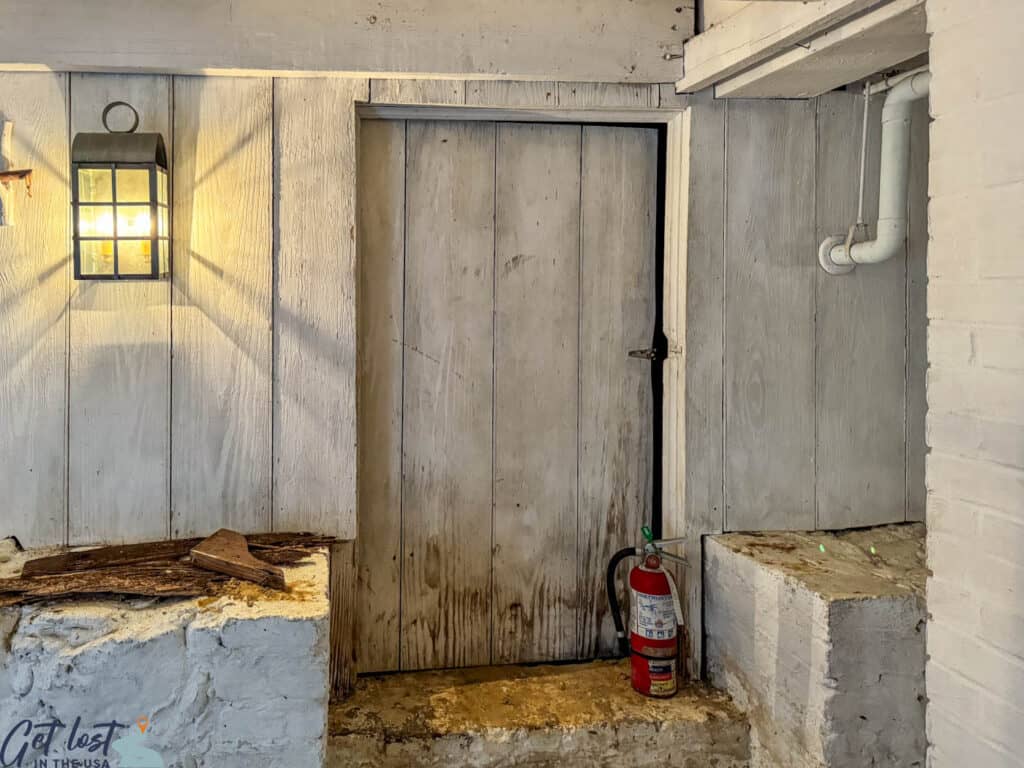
551 716
567 696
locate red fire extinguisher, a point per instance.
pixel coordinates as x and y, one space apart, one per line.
655 618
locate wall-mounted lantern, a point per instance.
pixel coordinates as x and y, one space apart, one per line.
119 201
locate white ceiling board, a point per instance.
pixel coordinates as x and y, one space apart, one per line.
871 43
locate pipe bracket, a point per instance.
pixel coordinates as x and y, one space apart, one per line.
825 255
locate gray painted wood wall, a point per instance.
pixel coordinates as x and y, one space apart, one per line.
225 396
805 391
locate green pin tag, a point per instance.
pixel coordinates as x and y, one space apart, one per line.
648 534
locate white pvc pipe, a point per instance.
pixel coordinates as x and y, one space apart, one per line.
892 186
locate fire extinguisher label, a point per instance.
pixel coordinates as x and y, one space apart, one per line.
653 616
663 677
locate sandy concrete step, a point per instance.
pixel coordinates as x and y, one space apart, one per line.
567 715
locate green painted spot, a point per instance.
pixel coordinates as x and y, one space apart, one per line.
873 551
821 547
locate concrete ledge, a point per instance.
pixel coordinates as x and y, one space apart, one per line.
820 638
239 679
581 715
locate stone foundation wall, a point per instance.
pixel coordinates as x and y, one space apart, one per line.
238 680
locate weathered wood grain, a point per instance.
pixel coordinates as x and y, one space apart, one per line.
536 381
511 93
381 286
704 414
860 337
33 319
619 192
603 40
222 304
611 95
343 591
447 398
120 361
395 91
315 305
769 316
917 313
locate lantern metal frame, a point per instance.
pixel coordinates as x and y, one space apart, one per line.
115 151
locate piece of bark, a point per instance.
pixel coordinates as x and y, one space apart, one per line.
227 552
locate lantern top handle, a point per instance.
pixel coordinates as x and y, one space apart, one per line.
106 111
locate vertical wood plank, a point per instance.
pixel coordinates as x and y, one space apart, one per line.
120 361
381 285
704 242
511 93
917 314
619 199
33 320
769 316
343 594
222 302
860 338
537 246
447 398
405 91
315 305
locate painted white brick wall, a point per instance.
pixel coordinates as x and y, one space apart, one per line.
975 471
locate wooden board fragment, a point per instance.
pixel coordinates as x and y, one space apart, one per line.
536 343
447 396
344 619
314 313
226 552
222 305
619 202
769 316
119 438
381 287
860 339
33 318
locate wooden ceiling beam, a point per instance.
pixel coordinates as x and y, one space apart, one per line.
758 32
876 41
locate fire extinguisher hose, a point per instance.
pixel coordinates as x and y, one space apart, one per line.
613 598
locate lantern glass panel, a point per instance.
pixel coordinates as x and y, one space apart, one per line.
97 257
133 185
164 256
161 186
134 221
94 185
162 222
134 257
96 221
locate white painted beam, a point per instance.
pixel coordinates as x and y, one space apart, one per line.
758 32
882 38
601 40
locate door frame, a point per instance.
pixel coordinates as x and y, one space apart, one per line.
676 215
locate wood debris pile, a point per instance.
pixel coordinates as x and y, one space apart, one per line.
162 568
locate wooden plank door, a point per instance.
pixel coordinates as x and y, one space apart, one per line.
506 270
